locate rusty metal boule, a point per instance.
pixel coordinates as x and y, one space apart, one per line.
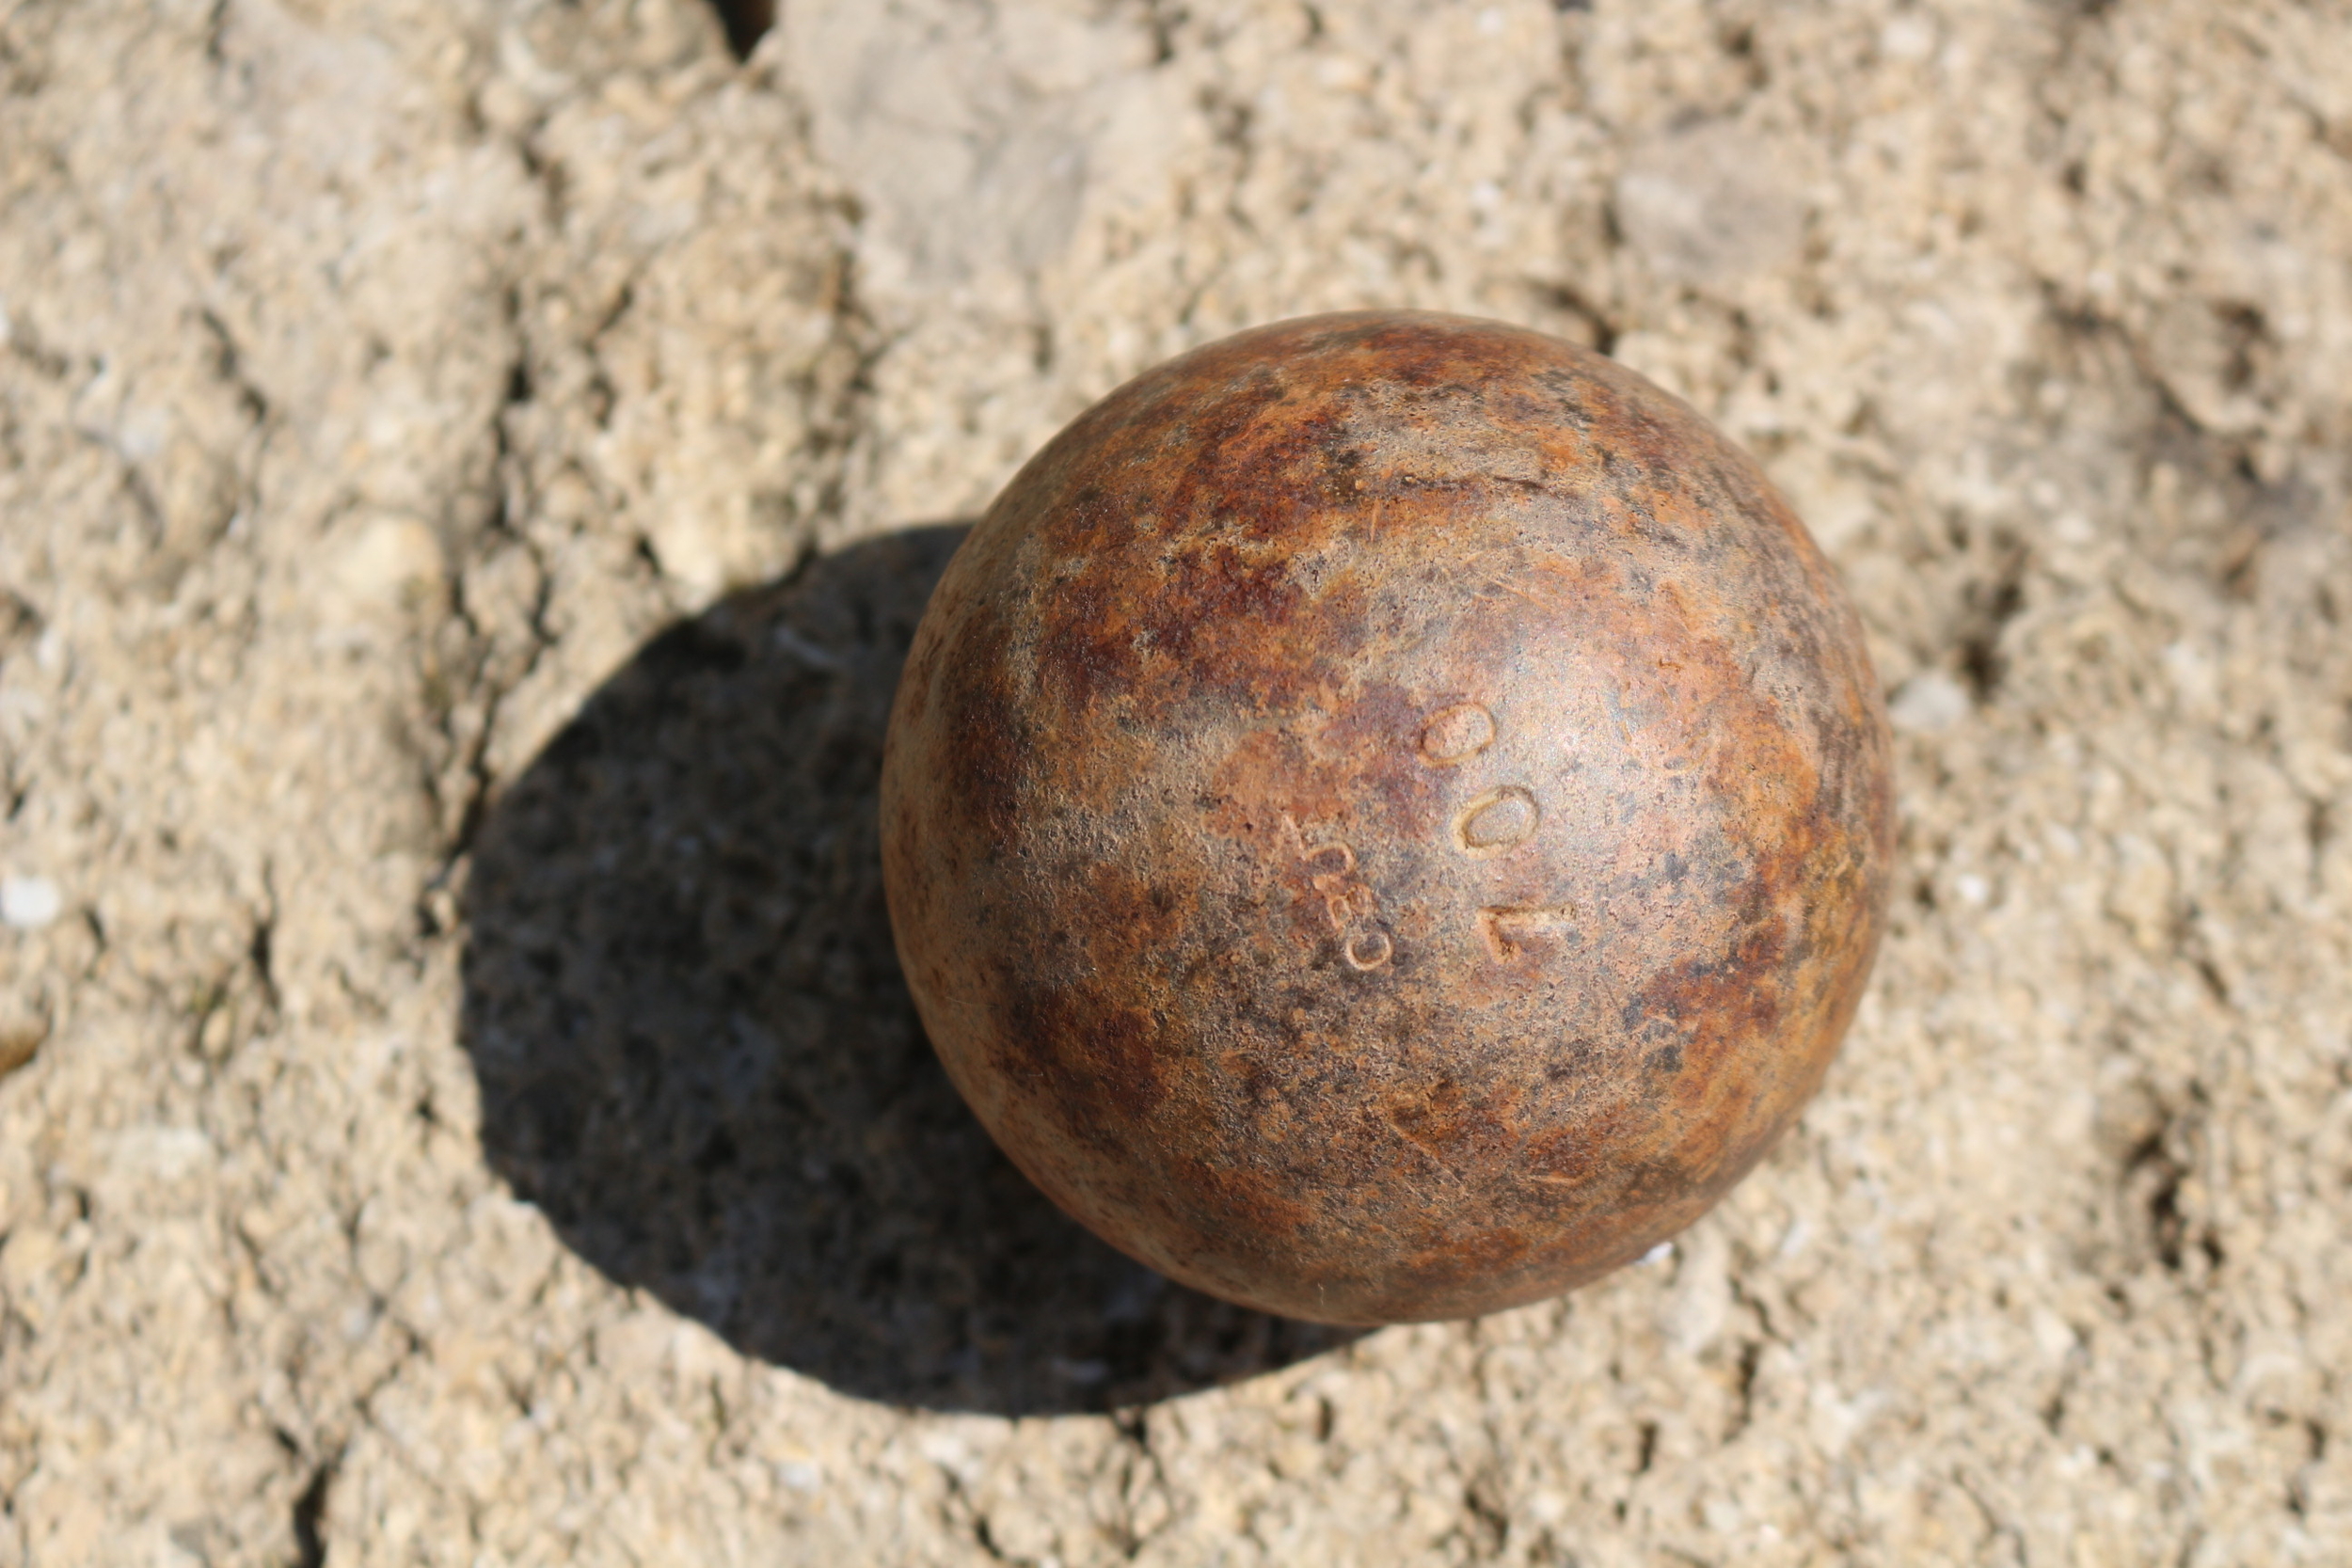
1387 816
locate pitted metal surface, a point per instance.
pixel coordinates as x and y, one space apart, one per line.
1388 817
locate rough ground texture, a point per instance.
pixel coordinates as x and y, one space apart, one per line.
461 1107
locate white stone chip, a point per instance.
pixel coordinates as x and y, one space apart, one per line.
29 903
1927 701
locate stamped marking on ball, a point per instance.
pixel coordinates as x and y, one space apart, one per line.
1341 858
1456 734
1499 821
1348 902
1501 818
1507 928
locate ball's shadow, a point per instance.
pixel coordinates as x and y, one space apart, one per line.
697 1057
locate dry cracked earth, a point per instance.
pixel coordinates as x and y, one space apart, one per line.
469 470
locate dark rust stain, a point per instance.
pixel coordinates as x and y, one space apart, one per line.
1388 817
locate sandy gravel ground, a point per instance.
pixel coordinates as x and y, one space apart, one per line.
457 465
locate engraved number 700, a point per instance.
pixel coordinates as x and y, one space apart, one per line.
1499 821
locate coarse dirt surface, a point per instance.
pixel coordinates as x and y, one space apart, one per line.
469 471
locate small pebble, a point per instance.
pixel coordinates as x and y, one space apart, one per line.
29 903
1927 701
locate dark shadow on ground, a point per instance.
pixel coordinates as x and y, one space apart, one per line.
696 1054
746 23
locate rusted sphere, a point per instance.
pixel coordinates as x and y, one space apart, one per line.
1386 817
